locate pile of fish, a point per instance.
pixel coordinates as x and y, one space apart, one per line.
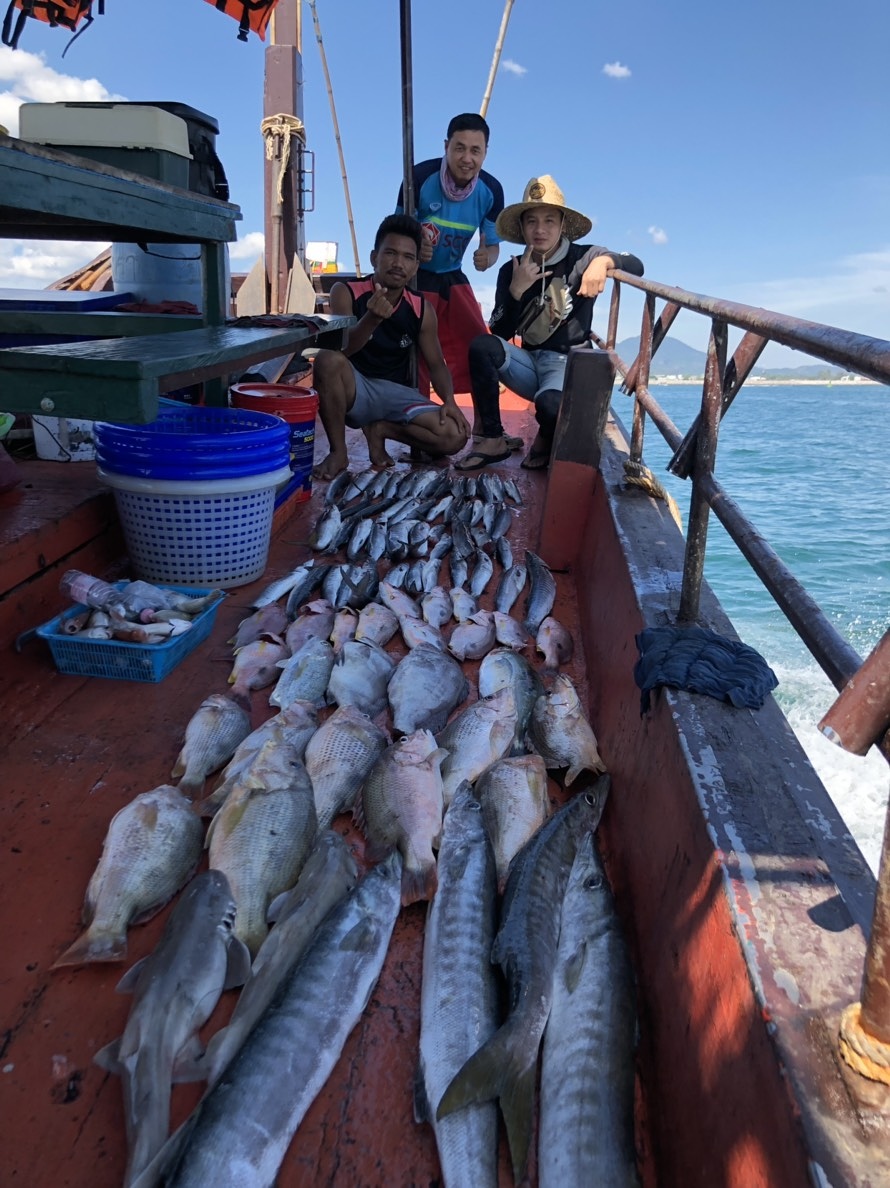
452 800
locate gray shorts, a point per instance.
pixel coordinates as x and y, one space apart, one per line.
382 400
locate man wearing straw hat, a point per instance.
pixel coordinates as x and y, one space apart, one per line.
545 297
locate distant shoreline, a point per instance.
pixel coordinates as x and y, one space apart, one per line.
754 381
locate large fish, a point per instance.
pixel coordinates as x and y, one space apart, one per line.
326 528
586 1131
212 736
459 995
424 689
475 638
510 586
401 808
314 621
398 601
513 795
475 738
329 874
526 948
261 837
436 606
269 620
360 676
541 594
377 624
305 676
308 580
280 586
255 667
175 990
509 633
338 758
152 846
416 632
561 734
503 668
239 1133
344 627
554 643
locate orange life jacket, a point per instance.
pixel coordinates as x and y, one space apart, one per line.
67 13
250 14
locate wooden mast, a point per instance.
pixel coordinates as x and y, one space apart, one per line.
283 95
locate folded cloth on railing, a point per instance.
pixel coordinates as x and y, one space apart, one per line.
702 662
164 307
280 322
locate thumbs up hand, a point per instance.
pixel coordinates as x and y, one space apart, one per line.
480 256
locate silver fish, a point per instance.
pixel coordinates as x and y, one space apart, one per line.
515 804
554 643
269 620
475 738
509 633
416 632
463 604
401 807
360 676
330 587
304 677
542 593
442 547
280 586
326 528
440 508
337 486
395 577
343 628
504 667
314 621
587 1064
255 667
261 837
398 601
459 571
429 574
459 995
424 689
338 759
376 541
482 571
328 875
175 990
212 736
309 580
360 483
419 538
397 540
560 733
461 543
475 638
377 624
512 492
358 539
510 587
152 846
414 579
502 524
503 552
436 607
525 948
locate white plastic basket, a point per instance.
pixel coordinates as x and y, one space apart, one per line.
212 534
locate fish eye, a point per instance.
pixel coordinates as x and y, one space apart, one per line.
475 806
593 883
590 798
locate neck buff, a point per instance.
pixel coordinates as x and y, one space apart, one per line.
450 188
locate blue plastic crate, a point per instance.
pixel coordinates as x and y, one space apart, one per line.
122 661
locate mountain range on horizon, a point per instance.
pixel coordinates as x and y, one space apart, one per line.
675 357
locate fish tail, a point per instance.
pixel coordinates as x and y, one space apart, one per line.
178 767
501 1068
596 765
91 946
419 884
190 785
240 697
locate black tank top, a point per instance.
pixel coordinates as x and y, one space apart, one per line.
387 353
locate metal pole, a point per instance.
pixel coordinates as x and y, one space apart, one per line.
407 108
499 45
327 79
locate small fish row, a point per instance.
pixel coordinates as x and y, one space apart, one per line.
416 483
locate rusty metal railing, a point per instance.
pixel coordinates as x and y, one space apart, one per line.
860 717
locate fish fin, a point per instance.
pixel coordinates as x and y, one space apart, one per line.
419 884
190 786
357 938
109 1057
87 949
189 1064
499 1069
422 1109
597 767
237 964
274 909
573 967
128 982
178 767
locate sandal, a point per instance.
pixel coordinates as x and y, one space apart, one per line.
536 460
515 443
476 460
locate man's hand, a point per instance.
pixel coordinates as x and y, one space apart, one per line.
450 410
593 280
480 256
426 245
379 304
525 273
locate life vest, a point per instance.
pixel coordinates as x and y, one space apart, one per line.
67 13
251 15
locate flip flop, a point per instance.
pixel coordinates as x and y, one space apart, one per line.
536 460
478 461
515 443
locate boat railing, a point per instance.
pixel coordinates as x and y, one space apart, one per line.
860 717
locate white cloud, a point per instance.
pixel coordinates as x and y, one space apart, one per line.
616 70
248 247
34 264
28 79
512 67
659 235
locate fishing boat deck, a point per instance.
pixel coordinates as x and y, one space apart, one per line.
76 750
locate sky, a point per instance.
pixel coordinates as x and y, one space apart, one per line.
740 152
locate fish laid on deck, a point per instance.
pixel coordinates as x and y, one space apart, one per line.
212 736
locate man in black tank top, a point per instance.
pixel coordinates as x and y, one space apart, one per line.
370 385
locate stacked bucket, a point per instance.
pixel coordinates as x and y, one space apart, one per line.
195 491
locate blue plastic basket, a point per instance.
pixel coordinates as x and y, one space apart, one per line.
195 444
122 661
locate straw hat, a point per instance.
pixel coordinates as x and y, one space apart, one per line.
540 191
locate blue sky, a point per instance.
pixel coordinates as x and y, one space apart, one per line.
741 153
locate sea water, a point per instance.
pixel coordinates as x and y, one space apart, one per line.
809 465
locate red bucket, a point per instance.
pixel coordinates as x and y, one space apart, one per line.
298 407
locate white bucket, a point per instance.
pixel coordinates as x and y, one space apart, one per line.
63 439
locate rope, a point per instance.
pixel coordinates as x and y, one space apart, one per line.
869 1057
277 132
638 475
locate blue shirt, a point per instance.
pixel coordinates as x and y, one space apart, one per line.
453 224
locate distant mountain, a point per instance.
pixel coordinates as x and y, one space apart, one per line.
676 358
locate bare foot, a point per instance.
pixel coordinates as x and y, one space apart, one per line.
331 467
376 439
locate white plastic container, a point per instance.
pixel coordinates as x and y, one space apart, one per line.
107 125
63 439
176 531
